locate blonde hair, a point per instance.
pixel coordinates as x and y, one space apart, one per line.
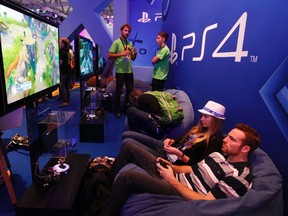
205 136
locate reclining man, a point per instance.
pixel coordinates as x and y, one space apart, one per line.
217 176
153 112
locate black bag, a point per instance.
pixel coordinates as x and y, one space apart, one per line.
95 189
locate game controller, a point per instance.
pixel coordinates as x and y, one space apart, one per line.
162 164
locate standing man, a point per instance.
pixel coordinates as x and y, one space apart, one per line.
124 53
161 63
65 72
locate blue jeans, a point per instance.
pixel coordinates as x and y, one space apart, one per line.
152 145
132 181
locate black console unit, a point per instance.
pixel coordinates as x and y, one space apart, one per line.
92 129
59 198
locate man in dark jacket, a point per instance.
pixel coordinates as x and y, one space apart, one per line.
140 115
65 72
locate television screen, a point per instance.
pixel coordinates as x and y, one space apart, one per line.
84 57
29 55
95 59
100 61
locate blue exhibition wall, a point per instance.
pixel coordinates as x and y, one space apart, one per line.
146 21
235 53
145 17
86 15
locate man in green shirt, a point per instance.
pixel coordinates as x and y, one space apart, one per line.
161 63
123 52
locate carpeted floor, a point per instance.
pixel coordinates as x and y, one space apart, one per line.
20 160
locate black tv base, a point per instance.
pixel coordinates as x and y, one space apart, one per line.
92 129
59 198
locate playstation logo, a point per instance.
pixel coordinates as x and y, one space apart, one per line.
173 53
145 18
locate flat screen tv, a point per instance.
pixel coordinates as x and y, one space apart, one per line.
100 61
84 57
29 56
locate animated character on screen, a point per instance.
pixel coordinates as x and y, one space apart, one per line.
86 58
21 72
50 75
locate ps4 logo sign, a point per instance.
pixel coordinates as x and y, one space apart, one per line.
145 17
236 52
173 54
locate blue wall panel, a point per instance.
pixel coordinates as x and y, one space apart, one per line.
251 80
253 87
146 21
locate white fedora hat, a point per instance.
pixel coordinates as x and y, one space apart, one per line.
213 109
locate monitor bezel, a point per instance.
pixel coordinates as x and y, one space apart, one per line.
9 107
77 58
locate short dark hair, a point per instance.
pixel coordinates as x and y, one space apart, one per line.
134 97
252 138
65 41
126 25
164 35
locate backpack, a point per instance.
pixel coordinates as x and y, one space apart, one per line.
95 189
172 113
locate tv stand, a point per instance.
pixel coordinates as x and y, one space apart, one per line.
60 197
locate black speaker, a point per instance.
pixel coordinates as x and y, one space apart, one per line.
92 129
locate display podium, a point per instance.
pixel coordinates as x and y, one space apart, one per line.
52 130
56 130
59 198
60 120
93 129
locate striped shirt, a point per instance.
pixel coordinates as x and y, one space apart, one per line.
216 174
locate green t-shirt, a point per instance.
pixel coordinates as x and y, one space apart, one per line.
161 68
123 64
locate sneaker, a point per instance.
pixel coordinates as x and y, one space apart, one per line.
118 115
63 104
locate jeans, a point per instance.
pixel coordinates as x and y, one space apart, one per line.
152 145
141 122
158 85
65 82
121 79
131 181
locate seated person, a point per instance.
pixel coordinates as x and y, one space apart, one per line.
201 140
218 176
146 113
